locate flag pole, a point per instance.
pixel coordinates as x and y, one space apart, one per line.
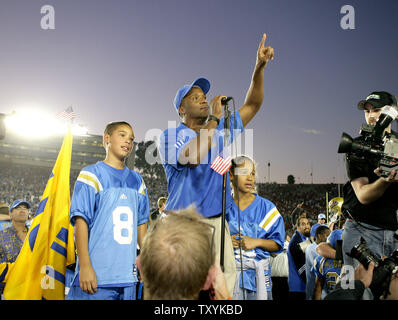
224 186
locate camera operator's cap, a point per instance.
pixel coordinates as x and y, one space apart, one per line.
19 202
202 83
321 216
378 99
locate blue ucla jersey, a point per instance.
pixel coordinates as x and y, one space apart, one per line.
328 270
260 220
200 185
113 202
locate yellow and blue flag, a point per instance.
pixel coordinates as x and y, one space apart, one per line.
5 269
40 269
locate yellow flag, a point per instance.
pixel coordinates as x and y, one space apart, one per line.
40 269
5 269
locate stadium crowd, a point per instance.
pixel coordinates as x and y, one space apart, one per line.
26 182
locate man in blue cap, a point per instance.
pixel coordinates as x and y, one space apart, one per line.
12 238
321 222
188 151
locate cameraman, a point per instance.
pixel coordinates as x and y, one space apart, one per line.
370 201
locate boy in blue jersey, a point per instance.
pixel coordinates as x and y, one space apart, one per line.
188 151
257 228
327 270
109 211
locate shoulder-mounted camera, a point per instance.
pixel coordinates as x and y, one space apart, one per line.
374 145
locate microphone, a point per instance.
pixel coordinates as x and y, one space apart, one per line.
224 101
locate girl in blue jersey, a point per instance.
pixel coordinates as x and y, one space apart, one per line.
109 211
258 228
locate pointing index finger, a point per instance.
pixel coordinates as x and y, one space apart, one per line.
262 43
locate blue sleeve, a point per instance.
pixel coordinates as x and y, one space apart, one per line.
271 222
143 204
83 203
277 233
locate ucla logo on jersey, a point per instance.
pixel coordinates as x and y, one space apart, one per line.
123 197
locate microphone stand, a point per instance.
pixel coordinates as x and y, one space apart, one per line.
227 116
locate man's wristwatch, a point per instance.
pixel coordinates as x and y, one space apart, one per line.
211 117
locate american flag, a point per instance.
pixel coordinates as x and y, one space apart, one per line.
66 114
221 165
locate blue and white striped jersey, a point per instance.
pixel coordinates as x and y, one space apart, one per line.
261 220
113 202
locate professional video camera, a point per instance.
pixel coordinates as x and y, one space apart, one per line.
374 145
383 269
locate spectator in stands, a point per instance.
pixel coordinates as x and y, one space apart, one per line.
296 258
257 229
188 151
12 238
177 259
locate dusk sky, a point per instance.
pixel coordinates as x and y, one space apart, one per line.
125 60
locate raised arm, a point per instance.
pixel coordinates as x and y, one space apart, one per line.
255 94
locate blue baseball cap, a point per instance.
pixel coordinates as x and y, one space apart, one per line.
17 203
321 216
202 83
